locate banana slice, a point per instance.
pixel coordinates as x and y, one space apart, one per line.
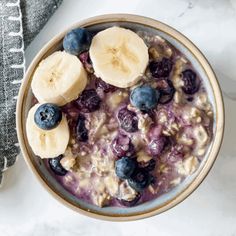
59 79
119 56
47 143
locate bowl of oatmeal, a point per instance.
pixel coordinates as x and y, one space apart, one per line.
120 117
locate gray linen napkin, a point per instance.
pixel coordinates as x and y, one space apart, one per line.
20 21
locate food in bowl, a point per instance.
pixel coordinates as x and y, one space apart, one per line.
119 117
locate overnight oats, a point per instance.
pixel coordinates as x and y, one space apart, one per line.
119 117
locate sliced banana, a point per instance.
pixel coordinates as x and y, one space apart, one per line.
59 79
119 56
47 143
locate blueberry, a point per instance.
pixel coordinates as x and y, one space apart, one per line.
47 116
56 166
107 88
139 180
144 97
161 68
77 41
166 89
88 101
81 130
125 167
122 146
156 146
128 120
130 203
191 83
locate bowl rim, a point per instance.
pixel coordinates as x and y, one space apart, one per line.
145 21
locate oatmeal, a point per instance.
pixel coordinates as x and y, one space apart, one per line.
129 120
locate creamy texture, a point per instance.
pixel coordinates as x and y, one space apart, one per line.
186 122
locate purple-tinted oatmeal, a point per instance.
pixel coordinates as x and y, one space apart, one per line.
168 142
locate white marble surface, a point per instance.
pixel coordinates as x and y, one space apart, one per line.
26 209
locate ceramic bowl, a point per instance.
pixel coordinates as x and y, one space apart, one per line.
165 201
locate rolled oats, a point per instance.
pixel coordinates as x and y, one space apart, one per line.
116 98
144 123
188 166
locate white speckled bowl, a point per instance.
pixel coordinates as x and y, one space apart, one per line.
165 201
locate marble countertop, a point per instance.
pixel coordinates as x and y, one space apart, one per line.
26 209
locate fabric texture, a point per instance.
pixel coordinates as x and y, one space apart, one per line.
20 21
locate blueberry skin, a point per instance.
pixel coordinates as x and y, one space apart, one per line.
166 89
191 82
161 68
125 167
88 101
56 166
48 116
157 145
81 130
77 41
139 180
144 98
128 120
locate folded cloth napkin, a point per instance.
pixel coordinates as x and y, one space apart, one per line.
20 21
